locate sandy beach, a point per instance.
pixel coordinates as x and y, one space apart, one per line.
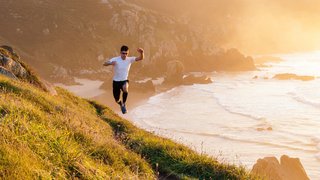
135 99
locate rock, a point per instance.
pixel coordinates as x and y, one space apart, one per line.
175 71
294 167
288 168
12 67
192 79
50 88
233 60
267 167
288 76
142 86
264 129
8 48
7 73
11 51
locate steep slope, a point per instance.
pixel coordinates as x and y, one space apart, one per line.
59 136
64 136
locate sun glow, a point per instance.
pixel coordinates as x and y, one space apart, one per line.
303 63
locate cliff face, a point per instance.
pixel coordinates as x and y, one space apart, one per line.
72 38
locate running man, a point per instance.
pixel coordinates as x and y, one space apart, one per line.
121 66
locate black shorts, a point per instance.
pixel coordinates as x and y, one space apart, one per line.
117 85
117 88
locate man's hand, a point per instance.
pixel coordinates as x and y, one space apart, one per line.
141 57
140 50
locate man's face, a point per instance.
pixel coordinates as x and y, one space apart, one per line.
124 54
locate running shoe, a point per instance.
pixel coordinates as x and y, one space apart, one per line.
123 109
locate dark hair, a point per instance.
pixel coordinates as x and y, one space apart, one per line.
124 48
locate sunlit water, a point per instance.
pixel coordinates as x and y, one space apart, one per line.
240 119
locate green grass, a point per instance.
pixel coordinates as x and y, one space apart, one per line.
65 137
59 137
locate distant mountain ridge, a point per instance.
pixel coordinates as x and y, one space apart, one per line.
62 39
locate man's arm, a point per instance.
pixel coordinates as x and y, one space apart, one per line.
141 57
108 63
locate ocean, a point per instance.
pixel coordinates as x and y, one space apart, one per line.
244 116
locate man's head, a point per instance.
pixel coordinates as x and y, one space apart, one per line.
124 52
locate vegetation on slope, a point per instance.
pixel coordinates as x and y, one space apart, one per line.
64 136
59 137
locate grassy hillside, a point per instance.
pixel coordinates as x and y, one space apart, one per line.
64 136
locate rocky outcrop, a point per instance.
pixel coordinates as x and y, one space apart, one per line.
289 76
175 72
7 73
49 87
12 67
175 75
192 79
233 60
142 87
287 168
